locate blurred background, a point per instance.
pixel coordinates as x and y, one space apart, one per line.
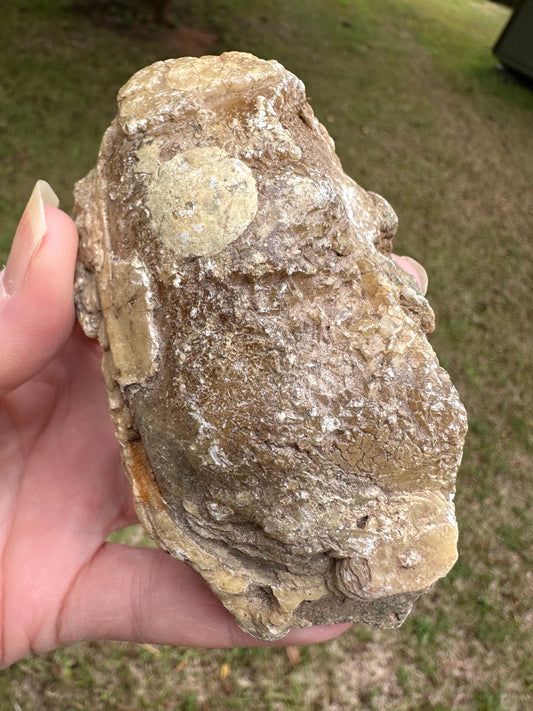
421 114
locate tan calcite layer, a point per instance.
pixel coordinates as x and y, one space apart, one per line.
285 424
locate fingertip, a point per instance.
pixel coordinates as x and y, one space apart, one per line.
58 223
38 317
415 269
51 272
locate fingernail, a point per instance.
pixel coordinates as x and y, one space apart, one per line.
418 271
28 237
421 272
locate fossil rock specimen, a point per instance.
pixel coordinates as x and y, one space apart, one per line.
286 426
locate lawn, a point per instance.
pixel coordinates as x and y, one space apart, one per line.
410 93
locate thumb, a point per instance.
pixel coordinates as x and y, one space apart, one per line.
144 595
36 305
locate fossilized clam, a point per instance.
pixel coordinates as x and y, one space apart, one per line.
286 426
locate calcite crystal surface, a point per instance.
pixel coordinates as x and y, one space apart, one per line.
285 424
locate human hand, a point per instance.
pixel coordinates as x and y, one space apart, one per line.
62 486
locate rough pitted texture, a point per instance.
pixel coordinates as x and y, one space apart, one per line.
285 424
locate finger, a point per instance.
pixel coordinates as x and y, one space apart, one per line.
144 595
411 266
36 305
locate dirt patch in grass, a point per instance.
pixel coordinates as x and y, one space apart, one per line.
187 41
135 18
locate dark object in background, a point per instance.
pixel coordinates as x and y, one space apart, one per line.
514 47
123 14
160 11
509 3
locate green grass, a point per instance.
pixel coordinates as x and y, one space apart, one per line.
410 93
